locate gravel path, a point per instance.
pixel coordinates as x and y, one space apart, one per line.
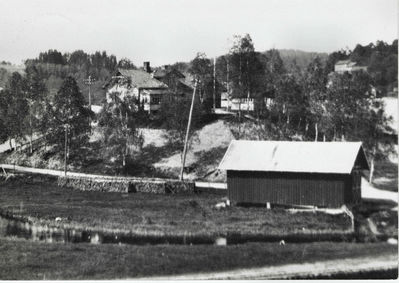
9 167
304 270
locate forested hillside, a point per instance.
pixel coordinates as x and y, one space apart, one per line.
381 58
293 58
6 69
54 67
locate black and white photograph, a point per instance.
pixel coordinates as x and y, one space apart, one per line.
165 140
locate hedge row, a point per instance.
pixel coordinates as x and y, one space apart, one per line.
126 185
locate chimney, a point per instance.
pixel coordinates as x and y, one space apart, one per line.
146 67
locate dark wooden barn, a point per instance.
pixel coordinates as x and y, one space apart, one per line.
322 174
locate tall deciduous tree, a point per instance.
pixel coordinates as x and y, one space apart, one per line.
246 71
118 123
372 126
274 71
242 55
175 114
348 94
202 70
314 87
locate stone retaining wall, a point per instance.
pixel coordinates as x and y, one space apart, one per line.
127 185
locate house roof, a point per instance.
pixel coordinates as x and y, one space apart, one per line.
186 84
287 156
348 63
156 91
160 73
141 79
343 62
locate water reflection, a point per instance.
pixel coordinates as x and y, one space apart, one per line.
44 233
25 230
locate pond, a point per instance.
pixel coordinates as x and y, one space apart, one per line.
10 227
16 228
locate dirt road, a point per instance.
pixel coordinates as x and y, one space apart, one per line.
304 270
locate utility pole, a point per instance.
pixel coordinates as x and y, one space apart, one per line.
227 84
65 149
214 84
89 81
188 130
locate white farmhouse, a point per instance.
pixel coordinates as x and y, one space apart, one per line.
140 85
348 66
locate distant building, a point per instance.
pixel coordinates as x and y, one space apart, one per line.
251 104
174 79
140 85
348 66
237 104
229 103
322 174
149 87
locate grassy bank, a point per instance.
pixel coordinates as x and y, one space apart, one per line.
37 197
386 176
33 260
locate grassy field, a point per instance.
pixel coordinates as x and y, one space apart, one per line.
386 176
38 197
34 260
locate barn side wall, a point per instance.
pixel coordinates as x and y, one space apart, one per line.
324 190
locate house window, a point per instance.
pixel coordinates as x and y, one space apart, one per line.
155 100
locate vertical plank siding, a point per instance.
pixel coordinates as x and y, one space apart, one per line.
327 190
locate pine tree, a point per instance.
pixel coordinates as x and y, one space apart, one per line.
35 95
67 113
14 109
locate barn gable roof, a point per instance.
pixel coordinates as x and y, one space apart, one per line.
301 157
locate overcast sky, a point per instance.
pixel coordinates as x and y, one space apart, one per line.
166 31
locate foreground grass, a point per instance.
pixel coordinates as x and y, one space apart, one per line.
38 197
34 260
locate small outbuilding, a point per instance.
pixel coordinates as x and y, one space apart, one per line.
322 174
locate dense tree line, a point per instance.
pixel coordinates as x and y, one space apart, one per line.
381 59
315 104
55 66
27 110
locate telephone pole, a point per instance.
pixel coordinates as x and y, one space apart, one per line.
188 130
214 84
66 149
227 84
89 81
